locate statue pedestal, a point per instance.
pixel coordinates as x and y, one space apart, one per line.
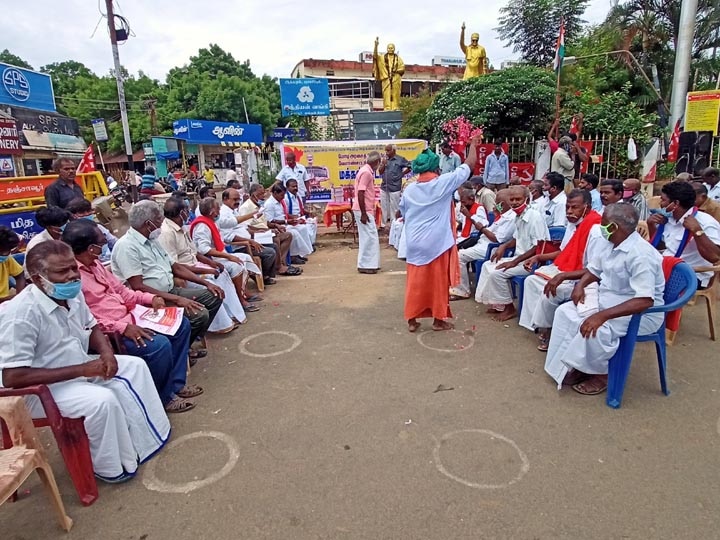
377 126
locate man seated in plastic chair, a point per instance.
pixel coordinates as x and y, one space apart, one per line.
499 232
552 285
587 331
493 286
46 331
470 217
685 232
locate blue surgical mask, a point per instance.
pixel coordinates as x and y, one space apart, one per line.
664 212
62 291
261 202
4 258
91 217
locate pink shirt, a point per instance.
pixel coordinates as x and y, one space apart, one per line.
365 181
108 299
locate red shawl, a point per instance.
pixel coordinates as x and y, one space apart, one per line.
672 318
468 226
571 258
217 239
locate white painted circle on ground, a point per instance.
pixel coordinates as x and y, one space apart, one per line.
463 335
295 342
153 483
524 467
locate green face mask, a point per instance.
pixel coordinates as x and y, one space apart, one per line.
605 230
499 208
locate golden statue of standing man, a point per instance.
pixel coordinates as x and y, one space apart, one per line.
475 57
388 69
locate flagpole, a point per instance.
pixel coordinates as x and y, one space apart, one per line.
102 161
559 54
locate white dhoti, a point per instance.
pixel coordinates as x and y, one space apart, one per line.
229 235
538 310
396 229
234 269
125 421
465 256
301 244
390 204
402 245
494 285
231 306
369 249
568 349
311 224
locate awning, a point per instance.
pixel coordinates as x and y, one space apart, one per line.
53 142
138 155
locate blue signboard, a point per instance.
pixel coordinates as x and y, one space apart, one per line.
25 88
214 132
288 134
22 223
305 97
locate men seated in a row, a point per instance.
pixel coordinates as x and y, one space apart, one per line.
181 249
590 183
295 210
493 286
587 331
112 303
611 192
685 233
500 231
632 194
82 209
554 211
140 261
46 332
705 203
9 267
550 286
234 230
469 216
483 194
259 225
301 245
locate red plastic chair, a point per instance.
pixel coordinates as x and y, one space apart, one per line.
70 436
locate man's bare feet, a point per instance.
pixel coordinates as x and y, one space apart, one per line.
413 326
440 325
505 315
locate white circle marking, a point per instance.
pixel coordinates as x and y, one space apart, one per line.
243 344
421 342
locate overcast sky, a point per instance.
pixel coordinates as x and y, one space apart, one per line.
273 35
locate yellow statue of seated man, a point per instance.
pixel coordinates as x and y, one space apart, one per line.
388 69
475 57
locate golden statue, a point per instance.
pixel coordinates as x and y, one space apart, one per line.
475 57
388 69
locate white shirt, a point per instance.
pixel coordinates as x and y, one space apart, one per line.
40 237
228 225
530 228
504 227
273 210
425 206
36 332
555 210
299 173
202 238
480 216
673 234
713 191
230 174
631 270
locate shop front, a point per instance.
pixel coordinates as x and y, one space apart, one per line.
10 149
214 143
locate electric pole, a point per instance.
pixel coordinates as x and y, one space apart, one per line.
121 98
683 56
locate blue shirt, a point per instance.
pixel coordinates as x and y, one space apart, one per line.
449 163
596 202
148 181
497 169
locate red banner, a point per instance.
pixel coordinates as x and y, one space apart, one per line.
9 138
483 151
524 171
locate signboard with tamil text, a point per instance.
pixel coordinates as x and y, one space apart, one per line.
305 97
218 133
22 223
703 111
26 88
9 137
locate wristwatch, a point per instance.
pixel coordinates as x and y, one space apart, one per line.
699 233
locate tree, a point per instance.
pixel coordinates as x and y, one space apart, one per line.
414 113
9 58
515 102
66 75
532 26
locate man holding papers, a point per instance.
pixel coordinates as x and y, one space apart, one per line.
112 304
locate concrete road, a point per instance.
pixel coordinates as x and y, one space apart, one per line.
323 418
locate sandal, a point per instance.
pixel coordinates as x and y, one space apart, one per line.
190 391
198 353
575 377
292 271
178 405
269 281
591 387
454 297
254 298
544 342
251 308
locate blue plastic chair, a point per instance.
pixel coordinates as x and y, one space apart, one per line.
491 218
518 282
488 253
679 289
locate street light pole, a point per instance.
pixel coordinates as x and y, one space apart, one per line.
121 98
683 56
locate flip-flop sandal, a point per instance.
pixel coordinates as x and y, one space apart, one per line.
544 344
592 392
254 298
454 297
576 377
190 391
292 271
269 281
179 405
198 353
251 308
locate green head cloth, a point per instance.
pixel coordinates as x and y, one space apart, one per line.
426 161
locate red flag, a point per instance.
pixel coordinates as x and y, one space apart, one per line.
574 126
87 163
672 154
